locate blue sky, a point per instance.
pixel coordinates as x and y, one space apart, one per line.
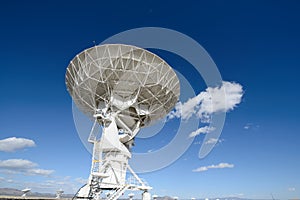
253 43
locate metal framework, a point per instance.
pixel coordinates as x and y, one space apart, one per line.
123 88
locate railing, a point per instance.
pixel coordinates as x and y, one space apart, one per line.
118 193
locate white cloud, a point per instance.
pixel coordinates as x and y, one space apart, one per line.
12 144
46 184
6 180
235 195
219 166
22 166
246 127
15 164
202 130
81 180
211 141
292 189
251 126
214 99
67 183
214 141
40 172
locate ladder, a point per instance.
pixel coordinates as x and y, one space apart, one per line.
118 193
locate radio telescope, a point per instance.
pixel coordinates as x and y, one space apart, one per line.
25 191
59 194
122 88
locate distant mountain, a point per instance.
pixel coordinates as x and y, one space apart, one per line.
10 191
164 198
16 192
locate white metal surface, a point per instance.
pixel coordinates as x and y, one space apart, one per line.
123 88
25 191
59 194
134 82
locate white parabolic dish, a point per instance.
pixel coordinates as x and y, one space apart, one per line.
134 83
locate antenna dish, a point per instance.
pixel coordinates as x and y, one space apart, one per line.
25 191
59 194
130 81
123 88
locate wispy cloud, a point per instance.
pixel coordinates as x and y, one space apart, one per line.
247 126
218 166
292 189
6 180
202 130
26 167
40 172
214 99
211 141
214 141
13 144
50 185
81 180
251 126
237 195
